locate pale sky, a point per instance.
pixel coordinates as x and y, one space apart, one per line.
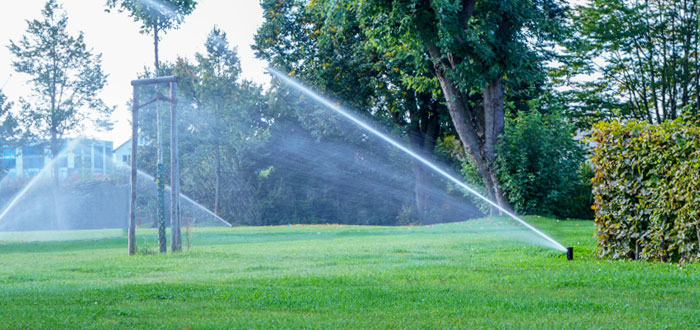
125 52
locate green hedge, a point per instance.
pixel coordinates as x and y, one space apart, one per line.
647 190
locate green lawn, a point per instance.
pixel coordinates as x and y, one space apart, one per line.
478 274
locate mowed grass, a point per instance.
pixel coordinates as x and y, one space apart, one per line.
477 274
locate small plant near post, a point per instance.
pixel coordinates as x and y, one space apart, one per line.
175 171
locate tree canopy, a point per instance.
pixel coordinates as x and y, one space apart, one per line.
633 59
161 14
64 74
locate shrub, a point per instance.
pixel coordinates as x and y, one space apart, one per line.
541 167
647 190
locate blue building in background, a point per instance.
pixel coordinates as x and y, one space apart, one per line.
87 156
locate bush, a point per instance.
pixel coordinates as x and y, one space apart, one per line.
541 167
647 190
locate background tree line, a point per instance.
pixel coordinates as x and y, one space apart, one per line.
494 90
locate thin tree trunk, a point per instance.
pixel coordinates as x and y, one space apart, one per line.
469 126
217 188
160 168
468 135
175 235
159 138
686 23
133 177
652 69
56 184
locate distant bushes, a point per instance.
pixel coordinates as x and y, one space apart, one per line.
542 168
647 190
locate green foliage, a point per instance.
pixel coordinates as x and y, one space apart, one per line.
64 75
477 40
540 166
633 59
155 14
9 126
221 123
325 44
647 190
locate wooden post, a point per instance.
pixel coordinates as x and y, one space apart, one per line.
134 149
174 173
175 236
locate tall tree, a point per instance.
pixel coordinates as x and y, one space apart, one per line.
219 70
642 55
316 41
157 16
65 77
217 110
477 48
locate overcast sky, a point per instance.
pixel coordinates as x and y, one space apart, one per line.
125 52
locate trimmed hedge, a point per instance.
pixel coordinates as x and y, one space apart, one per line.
647 190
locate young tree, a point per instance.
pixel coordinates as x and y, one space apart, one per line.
219 70
157 16
65 77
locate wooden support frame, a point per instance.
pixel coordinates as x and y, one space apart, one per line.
176 240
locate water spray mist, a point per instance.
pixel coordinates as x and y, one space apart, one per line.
349 116
69 148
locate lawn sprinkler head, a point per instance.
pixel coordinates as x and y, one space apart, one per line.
569 253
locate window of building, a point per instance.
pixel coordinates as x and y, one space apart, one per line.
63 161
98 161
32 158
9 159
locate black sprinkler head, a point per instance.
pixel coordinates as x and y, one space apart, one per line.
569 253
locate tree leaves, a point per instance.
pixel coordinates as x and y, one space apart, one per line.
163 14
65 76
647 188
541 167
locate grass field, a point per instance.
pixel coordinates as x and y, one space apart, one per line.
478 274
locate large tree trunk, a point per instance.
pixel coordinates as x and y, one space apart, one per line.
478 127
479 138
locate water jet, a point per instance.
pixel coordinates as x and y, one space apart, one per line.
367 127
